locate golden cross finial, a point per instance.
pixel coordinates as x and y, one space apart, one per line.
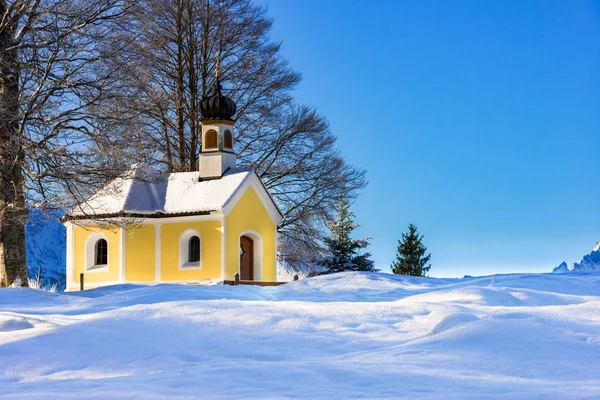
218 66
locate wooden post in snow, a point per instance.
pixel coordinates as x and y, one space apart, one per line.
81 281
236 278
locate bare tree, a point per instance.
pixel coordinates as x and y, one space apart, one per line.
49 85
167 67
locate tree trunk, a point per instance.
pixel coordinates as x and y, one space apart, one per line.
192 89
180 89
13 212
13 263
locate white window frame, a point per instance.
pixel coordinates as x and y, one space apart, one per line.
90 253
184 240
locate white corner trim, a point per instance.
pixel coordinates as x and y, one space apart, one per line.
275 260
258 253
223 253
157 256
89 260
184 238
122 255
70 254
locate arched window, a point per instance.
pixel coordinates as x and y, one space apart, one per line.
101 252
96 252
194 249
210 139
228 140
190 250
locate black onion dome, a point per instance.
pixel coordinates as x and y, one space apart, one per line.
217 106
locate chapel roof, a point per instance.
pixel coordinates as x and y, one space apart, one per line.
143 191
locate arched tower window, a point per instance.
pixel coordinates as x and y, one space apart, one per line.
210 139
194 249
228 139
101 252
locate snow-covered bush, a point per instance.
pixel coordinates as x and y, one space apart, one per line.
33 284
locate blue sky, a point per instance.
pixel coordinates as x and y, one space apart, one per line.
483 121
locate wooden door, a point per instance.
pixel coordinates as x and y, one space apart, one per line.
246 258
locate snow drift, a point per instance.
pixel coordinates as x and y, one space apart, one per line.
349 335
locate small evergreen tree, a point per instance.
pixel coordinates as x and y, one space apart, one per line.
411 258
344 251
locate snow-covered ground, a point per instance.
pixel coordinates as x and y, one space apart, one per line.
351 335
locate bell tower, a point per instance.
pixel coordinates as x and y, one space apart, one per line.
216 154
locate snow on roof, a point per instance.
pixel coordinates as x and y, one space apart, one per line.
144 190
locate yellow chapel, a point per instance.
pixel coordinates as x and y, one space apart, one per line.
181 227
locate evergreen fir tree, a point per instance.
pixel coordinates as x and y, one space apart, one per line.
344 251
411 258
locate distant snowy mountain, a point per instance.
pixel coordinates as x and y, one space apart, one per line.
45 241
590 262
